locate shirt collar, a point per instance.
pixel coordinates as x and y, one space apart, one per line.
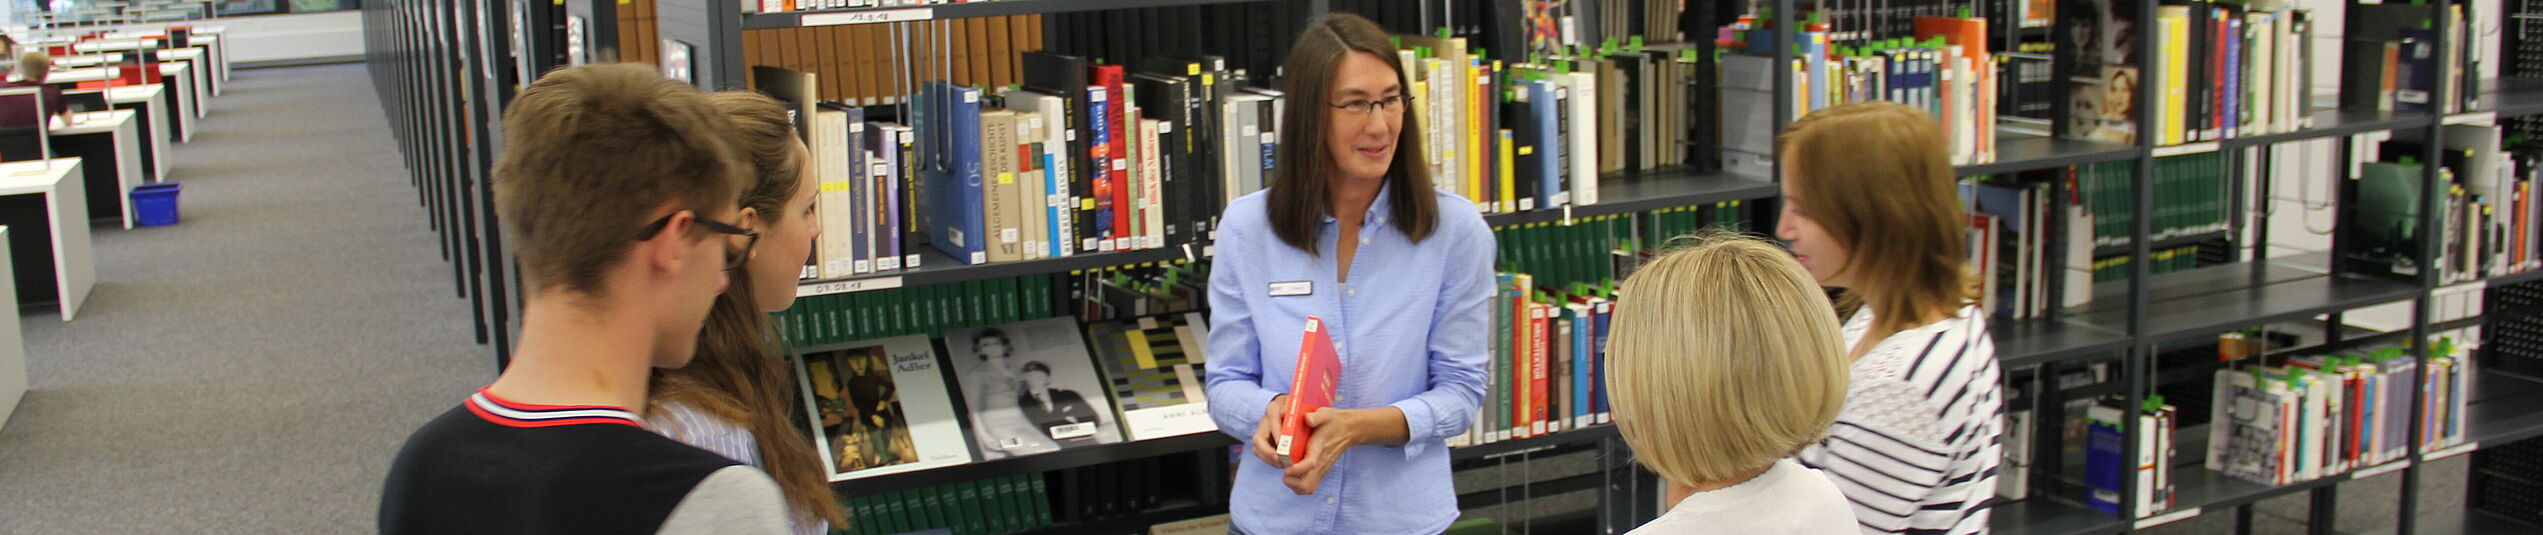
514 414
1379 208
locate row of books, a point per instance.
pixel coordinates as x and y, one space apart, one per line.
1943 68
781 6
2105 463
868 64
2394 62
1548 351
1527 136
2325 415
2486 226
926 310
1004 504
2119 268
2190 197
2226 70
2010 224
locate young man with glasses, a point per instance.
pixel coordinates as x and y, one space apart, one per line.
615 184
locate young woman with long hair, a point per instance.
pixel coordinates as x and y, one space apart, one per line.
1870 208
737 397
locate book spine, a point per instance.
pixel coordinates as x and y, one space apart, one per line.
1539 356
1100 158
1118 122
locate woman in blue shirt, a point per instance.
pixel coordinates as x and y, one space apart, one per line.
1350 232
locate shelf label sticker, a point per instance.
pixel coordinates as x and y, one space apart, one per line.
867 17
847 286
2381 469
2167 518
2467 447
2191 148
2487 117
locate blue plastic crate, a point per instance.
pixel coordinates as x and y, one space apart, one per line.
156 204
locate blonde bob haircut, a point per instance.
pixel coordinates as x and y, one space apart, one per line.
1725 357
1875 175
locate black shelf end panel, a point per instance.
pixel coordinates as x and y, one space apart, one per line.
2504 409
1631 192
1506 448
2042 515
2220 298
2511 97
2461 522
2020 152
937 268
2032 342
2336 123
2526 276
1059 460
2101 251
832 17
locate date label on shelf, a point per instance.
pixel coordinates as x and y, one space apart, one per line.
2467 447
2167 518
2190 148
2381 469
2487 117
848 286
867 17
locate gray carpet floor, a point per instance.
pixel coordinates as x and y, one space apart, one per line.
254 368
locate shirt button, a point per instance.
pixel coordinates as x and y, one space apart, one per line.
1329 501
1352 293
1364 240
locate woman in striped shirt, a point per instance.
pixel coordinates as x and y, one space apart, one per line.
1869 208
733 399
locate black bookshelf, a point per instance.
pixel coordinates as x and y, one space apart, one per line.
1171 511
2470 523
2197 487
827 17
1626 193
2021 152
2336 123
2210 300
2166 243
2517 278
1059 460
2505 408
2032 342
2511 97
2042 515
935 267
1536 444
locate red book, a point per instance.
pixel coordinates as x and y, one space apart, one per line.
1522 330
1319 373
1538 354
1117 165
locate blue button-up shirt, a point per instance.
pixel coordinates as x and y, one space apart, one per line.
1410 328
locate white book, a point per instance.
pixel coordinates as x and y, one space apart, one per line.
1152 208
1583 150
838 216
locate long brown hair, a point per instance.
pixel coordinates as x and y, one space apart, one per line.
1876 177
1300 187
739 375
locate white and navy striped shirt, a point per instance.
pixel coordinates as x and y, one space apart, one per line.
707 432
1917 445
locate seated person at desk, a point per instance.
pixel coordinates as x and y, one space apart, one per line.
33 68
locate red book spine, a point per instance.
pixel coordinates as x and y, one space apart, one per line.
1310 388
1537 378
1117 166
1521 331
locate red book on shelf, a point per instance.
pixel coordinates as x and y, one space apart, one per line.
1118 166
1319 373
1539 409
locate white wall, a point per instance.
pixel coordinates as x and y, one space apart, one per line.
289 37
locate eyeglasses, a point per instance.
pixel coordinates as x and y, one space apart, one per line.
1371 107
733 259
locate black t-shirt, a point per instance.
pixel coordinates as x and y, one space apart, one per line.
491 466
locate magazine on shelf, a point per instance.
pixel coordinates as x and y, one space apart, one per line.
879 407
1031 388
1156 368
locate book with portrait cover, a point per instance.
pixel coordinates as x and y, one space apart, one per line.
1319 373
1156 367
879 407
1031 388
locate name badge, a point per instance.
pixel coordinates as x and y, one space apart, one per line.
1284 289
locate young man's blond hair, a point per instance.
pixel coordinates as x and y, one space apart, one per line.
1724 357
589 151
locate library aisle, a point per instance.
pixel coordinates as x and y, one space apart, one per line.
254 368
